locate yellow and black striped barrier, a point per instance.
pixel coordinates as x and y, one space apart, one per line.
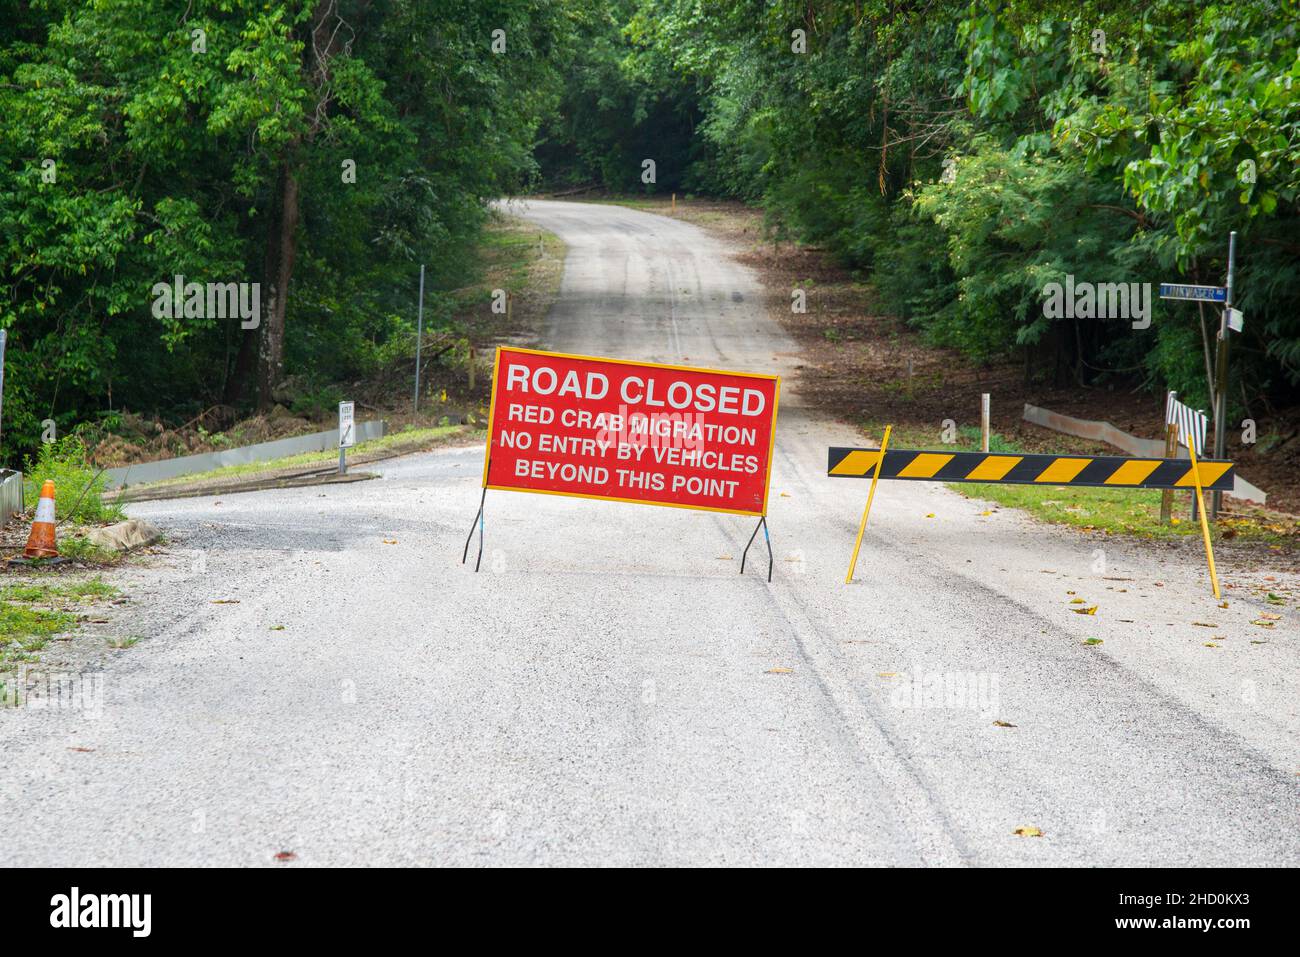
1009 468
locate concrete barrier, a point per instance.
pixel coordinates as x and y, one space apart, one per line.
143 472
1142 448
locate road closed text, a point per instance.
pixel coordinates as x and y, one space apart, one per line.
603 428
678 394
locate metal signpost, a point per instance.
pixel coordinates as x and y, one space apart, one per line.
419 334
347 434
1221 372
1231 321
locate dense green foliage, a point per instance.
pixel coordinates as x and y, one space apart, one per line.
617 111
964 155
79 487
961 155
141 139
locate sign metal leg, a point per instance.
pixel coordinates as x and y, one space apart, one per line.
478 522
762 523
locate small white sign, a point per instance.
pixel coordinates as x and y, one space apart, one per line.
1235 319
1191 425
347 434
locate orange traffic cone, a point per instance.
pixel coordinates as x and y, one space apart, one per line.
41 543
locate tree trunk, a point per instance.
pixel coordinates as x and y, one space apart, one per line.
324 42
281 252
244 369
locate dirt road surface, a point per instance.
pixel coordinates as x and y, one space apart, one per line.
609 690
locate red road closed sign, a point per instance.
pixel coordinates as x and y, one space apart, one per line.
631 431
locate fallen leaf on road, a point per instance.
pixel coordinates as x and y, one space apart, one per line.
1092 641
785 494
1267 617
886 674
225 601
85 750
1027 832
1085 611
390 541
1210 644
1003 724
286 856
725 558
277 627
930 515
1275 599
779 671
1205 624
1076 601
986 513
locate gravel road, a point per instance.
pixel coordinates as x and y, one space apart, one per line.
609 690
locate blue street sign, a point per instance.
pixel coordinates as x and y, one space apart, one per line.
1169 290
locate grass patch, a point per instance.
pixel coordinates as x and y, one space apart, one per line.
79 486
32 614
88 590
26 630
508 252
1131 511
1125 511
516 257
80 549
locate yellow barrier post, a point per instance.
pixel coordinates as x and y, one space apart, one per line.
1205 525
853 562
1167 496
